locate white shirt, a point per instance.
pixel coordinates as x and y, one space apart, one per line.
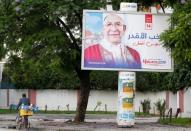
119 52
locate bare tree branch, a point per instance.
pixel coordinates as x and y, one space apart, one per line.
160 2
79 19
73 39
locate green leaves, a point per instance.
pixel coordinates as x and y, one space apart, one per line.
151 81
43 51
104 80
180 78
178 38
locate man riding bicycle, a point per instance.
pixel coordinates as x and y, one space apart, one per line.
24 111
23 101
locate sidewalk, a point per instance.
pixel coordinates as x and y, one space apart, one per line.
62 122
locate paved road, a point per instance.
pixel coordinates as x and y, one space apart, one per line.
93 123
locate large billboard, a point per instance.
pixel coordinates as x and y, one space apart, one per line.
124 41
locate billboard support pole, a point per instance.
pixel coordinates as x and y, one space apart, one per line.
126 86
109 6
102 51
126 94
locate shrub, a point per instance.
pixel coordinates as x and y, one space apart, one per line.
161 107
146 106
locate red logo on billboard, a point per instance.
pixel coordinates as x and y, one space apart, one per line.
148 21
148 18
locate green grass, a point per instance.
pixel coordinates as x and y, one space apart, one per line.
141 114
7 111
73 112
137 114
176 121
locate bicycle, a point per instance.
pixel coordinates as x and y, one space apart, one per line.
22 117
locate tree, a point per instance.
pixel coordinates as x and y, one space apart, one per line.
173 38
178 39
179 79
43 36
151 81
34 75
104 80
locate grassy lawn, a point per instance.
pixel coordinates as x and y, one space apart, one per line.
177 121
141 114
73 112
8 111
137 114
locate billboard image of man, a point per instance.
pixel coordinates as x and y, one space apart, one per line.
111 51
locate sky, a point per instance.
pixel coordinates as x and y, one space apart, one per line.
94 22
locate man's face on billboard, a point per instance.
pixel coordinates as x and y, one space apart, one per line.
113 28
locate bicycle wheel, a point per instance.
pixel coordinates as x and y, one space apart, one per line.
29 124
19 122
25 123
17 119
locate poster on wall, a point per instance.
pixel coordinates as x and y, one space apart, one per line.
126 89
124 41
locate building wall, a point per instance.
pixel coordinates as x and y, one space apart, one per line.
15 95
173 102
187 105
108 100
153 97
59 99
3 98
55 99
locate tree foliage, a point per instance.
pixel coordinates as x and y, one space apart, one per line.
178 39
29 74
42 39
104 80
180 78
151 81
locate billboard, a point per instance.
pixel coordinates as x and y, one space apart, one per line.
121 41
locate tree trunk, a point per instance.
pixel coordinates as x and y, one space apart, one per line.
83 96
